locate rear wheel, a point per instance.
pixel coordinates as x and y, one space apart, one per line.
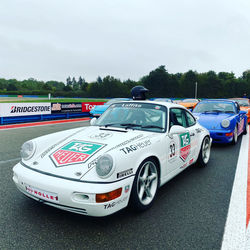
204 154
145 185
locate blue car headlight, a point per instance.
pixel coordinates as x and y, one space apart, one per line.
225 123
28 149
105 166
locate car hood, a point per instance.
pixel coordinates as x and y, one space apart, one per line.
212 120
72 154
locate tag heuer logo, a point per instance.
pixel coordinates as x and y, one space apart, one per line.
185 146
75 152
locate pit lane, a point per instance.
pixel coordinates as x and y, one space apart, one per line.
189 213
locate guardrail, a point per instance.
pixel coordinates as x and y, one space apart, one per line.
27 112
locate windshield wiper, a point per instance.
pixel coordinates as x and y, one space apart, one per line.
130 125
109 124
218 111
152 126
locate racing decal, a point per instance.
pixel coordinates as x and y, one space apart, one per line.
93 163
101 136
135 147
131 105
114 203
41 193
185 146
184 166
126 142
198 130
125 173
191 161
241 126
56 144
126 189
172 154
75 152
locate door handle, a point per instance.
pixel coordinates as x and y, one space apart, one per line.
192 134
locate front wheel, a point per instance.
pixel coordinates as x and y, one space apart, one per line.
204 154
245 129
145 185
235 136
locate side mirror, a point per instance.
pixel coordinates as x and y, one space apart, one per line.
176 130
242 112
93 121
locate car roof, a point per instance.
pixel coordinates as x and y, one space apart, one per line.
167 104
218 100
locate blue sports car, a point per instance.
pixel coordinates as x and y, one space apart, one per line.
223 118
98 110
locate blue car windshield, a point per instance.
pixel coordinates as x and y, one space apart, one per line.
215 107
134 115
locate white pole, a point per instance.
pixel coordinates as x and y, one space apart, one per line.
195 90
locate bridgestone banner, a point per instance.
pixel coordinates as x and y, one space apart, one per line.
24 109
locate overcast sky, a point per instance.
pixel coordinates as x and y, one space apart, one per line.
54 39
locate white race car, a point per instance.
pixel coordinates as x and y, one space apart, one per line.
123 158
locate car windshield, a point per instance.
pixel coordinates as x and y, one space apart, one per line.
214 107
242 102
134 115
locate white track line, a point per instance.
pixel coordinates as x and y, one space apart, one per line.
235 229
16 159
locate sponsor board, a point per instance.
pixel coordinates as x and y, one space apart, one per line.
87 106
75 152
24 109
66 107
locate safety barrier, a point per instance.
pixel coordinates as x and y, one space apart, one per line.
31 112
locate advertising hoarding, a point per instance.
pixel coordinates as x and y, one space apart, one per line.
24 109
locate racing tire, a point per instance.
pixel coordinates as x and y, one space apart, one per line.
235 136
245 129
204 154
145 185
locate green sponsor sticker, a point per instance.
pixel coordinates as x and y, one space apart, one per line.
82 147
185 139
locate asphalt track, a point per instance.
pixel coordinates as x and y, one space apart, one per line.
190 211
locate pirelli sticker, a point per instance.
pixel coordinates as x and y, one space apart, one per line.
185 146
75 152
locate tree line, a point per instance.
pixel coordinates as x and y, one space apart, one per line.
159 82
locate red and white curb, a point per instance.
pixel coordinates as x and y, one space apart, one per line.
236 236
32 124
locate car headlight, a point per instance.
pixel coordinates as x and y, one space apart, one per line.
105 166
225 123
27 150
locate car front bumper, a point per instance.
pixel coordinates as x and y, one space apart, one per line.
74 196
221 136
